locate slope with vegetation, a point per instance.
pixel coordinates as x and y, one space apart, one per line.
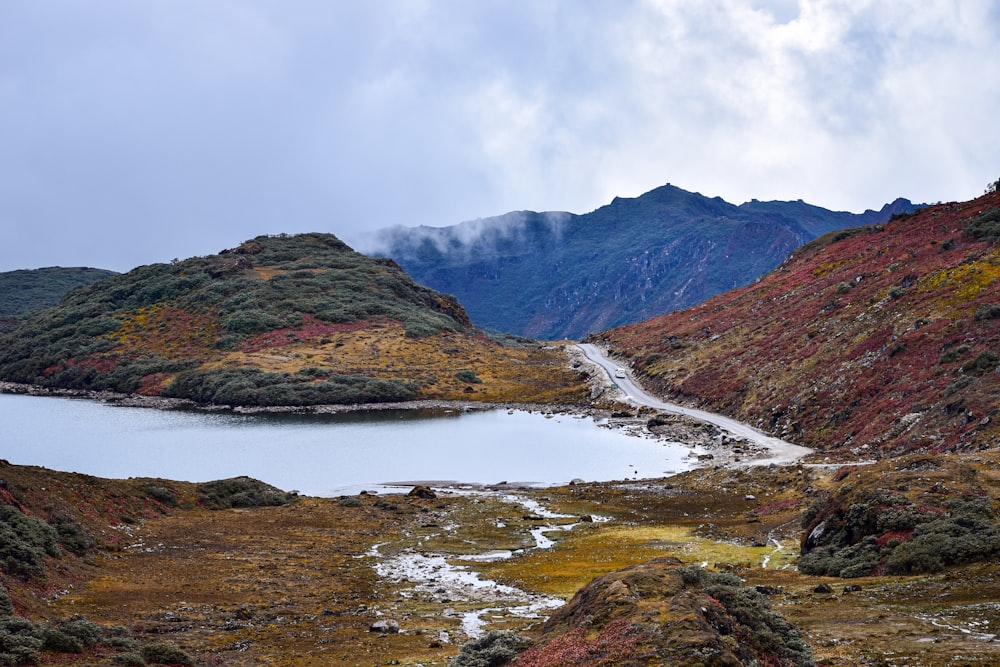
33 289
287 320
559 275
877 340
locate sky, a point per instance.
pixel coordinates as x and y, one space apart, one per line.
141 131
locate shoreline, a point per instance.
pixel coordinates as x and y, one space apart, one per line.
163 403
718 447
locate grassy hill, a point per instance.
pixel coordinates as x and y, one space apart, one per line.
33 289
879 340
559 275
287 320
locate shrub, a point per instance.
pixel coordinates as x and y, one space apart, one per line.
769 631
496 648
84 630
162 495
56 640
6 604
240 492
468 376
953 354
21 641
129 659
165 653
989 311
71 534
985 362
24 543
986 227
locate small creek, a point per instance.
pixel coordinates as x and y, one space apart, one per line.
436 577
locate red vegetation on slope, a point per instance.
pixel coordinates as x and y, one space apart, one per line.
875 340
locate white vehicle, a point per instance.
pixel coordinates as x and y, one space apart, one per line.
619 372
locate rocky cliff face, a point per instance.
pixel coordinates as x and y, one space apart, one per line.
556 275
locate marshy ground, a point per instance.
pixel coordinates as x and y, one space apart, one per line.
300 584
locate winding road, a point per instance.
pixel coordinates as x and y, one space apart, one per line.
780 451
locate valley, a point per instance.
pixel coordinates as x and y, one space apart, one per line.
845 410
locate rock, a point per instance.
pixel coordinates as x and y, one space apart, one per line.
586 518
853 588
532 517
822 588
421 491
768 590
385 626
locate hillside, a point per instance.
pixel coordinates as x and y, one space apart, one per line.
873 341
558 275
33 289
288 320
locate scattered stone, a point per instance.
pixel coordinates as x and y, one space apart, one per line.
586 518
822 588
768 590
852 588
532 517
385 626
421 491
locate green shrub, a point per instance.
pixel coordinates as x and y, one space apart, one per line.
21 641
84 630
165 653
6 604
129 659
495 648
989 311
468 376
953 354
162 495
71 535
240 492
58 641
768 629
986 227
24 543
986 362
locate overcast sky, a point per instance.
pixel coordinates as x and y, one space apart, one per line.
138 131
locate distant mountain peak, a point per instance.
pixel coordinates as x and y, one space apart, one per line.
559 275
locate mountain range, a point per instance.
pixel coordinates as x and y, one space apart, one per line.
559 275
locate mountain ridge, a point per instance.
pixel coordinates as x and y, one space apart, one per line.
558 275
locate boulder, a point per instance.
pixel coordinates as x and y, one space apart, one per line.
385 626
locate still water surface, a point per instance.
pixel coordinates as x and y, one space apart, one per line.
324 455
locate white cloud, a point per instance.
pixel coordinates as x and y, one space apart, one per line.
145 131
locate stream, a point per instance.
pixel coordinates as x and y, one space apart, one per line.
435 577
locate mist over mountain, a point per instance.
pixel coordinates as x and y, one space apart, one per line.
561 275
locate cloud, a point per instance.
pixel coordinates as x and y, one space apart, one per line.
139 132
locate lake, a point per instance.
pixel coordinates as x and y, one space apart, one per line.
326 455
